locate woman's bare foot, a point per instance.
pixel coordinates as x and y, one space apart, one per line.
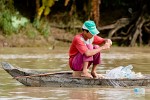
95 75
88 75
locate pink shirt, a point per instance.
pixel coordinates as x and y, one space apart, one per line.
78 44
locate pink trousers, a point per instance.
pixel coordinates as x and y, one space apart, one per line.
77 61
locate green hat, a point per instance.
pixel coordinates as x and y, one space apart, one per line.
91 27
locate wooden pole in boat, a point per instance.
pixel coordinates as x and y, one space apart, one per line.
36 75
33 75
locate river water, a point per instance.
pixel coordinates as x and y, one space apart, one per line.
45 59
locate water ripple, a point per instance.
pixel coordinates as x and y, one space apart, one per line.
46 56
27 56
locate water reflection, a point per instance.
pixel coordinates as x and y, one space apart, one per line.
53 61
50 93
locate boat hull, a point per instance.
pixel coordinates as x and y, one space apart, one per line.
64 79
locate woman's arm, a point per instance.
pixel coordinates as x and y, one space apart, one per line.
106 45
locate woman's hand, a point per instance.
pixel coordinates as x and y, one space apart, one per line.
107 44
109 41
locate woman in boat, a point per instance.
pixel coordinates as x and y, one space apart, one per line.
85 50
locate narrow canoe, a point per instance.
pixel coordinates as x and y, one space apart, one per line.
64 79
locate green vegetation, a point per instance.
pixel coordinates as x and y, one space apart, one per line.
42 26
12 22
126 22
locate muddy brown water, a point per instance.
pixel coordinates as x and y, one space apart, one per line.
45 59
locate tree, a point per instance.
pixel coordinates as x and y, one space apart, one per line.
135 29
95 13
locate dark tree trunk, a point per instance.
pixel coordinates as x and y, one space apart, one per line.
37 7
96 11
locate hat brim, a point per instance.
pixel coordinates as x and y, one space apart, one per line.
94 31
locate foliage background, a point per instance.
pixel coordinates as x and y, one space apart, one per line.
37 19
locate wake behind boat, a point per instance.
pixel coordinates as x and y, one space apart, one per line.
64 79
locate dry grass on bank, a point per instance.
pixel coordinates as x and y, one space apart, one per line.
57 37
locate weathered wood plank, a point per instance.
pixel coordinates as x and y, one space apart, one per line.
65 79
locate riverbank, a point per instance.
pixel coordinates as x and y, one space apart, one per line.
57 37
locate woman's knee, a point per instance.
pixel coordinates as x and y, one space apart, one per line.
96 46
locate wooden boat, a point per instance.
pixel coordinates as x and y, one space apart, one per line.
64 79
